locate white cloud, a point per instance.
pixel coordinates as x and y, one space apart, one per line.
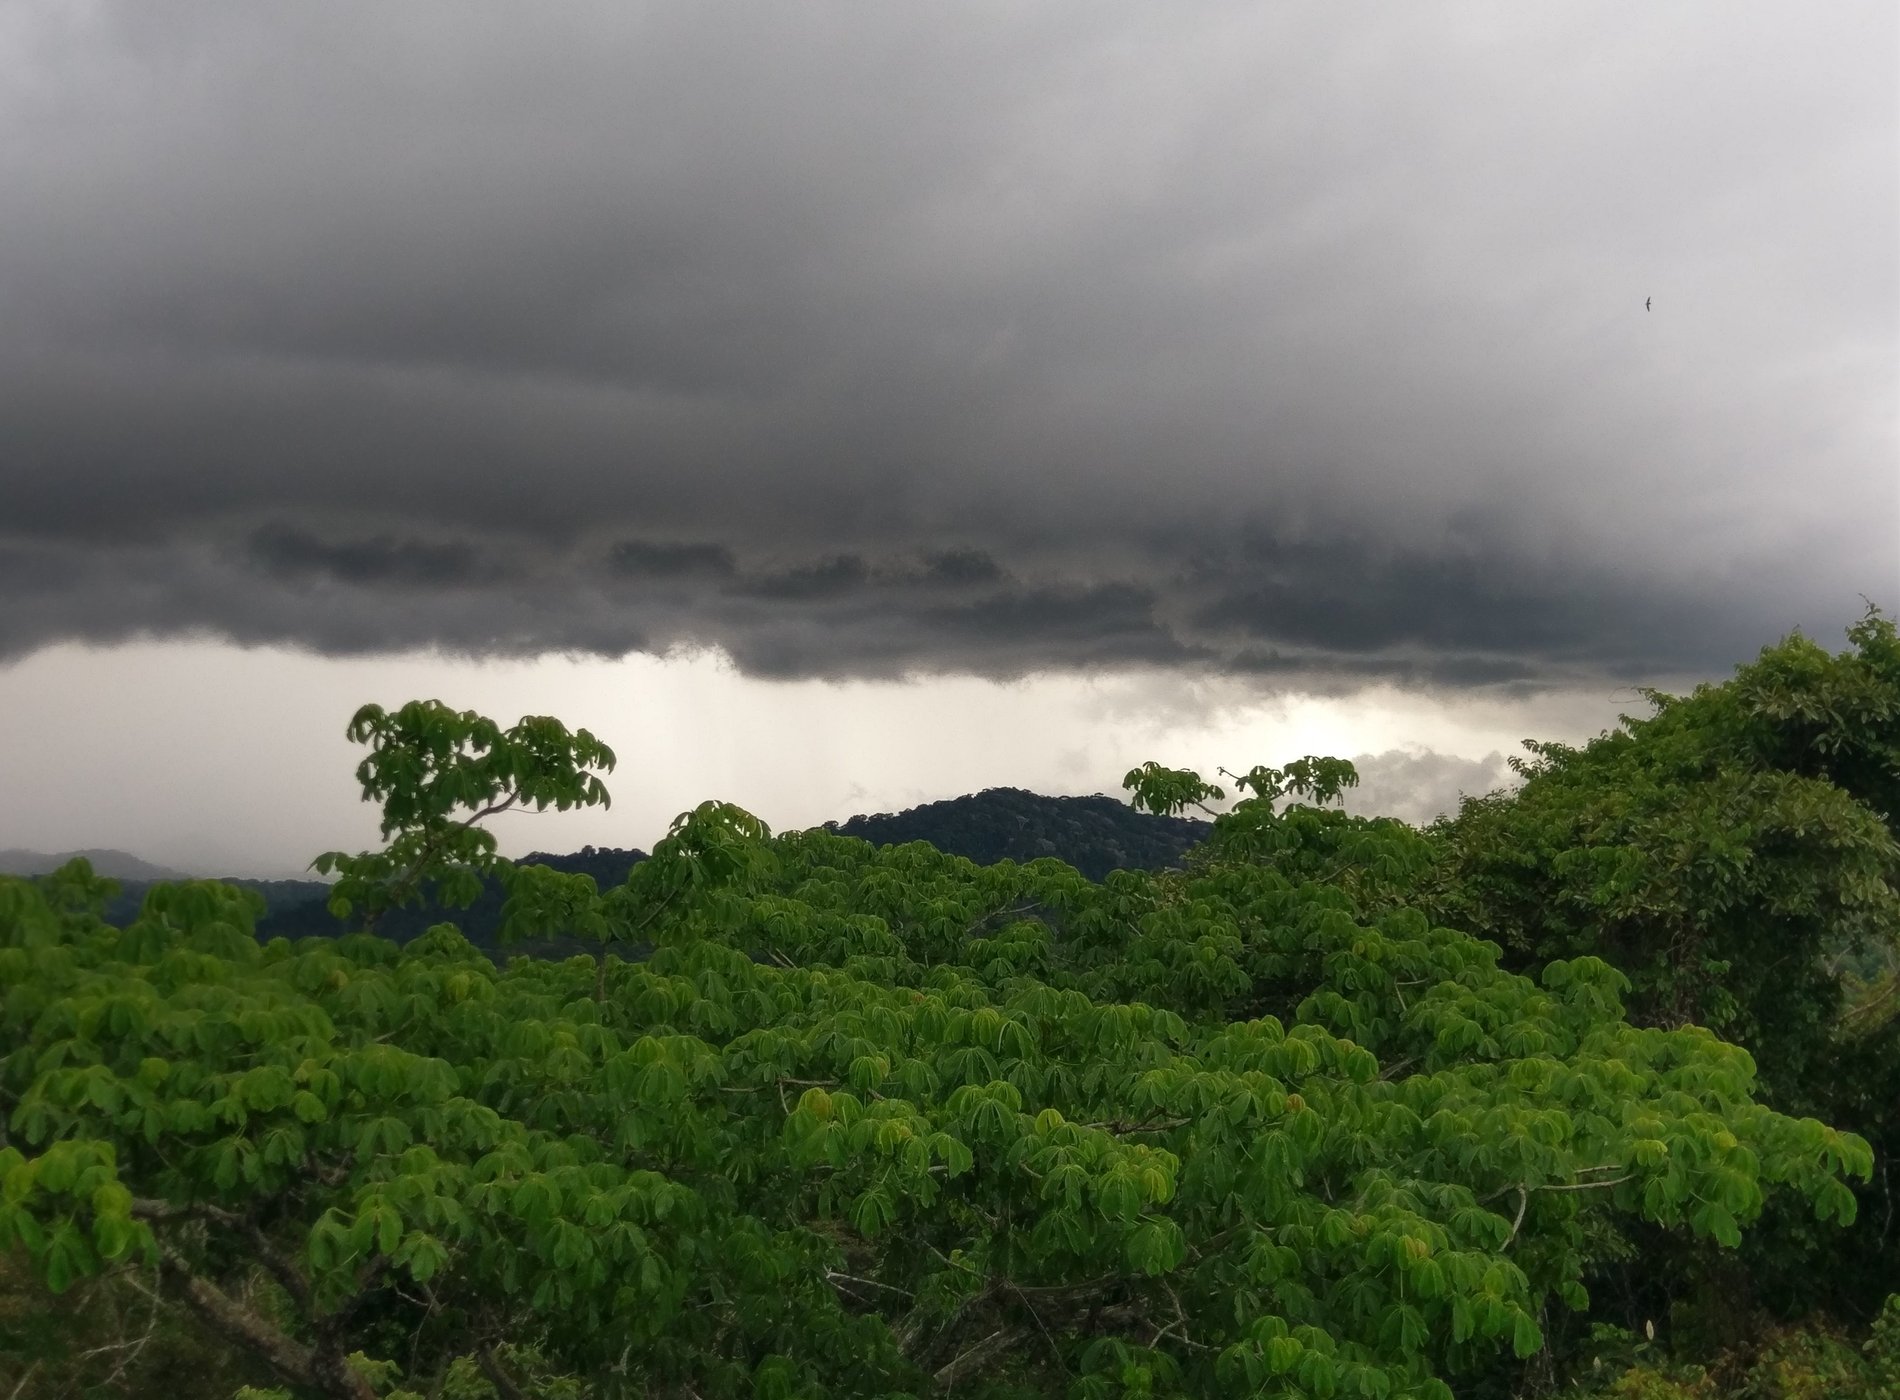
233 761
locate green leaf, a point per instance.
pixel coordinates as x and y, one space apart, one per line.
1526 1338
1155 1246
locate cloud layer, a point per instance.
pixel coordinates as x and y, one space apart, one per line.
860 340
1418 785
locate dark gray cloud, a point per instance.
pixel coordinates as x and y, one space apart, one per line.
859 340
836 577
380 561
648 559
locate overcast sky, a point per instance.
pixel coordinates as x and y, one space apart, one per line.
965 380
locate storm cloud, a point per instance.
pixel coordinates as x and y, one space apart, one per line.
864 340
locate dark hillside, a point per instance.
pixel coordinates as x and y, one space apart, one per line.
278 894
480 922
1094 834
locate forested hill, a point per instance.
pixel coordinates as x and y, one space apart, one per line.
124 907
1571 1095
113 864
1094 834
481 921
299 908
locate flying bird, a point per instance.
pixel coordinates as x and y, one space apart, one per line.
1646 302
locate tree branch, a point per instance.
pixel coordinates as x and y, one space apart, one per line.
368 1278
504 1383
239 1325
1054 1350
1523 1200
25 1376
833 1277
1026 907
979 1355
1123 1125
280 1266
1583 1185
399 890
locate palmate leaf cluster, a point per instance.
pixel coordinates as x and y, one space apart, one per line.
1731 851
864 1122
1734 852
437 773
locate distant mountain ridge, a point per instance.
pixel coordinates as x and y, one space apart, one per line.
1094 834
115 865
481 921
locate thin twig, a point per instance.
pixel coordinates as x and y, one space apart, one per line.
1391 1071
500 1379
1054 1350
973 1357
1523 1200
833 1276
1584 1185
24 1378
1122 1125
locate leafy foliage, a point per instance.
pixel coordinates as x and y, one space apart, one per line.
866 1122
1811 1362
427 764
1093 834
1729 852
1735 854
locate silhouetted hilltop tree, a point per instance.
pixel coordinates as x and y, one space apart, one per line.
307 915
1094 834
124 907
607 864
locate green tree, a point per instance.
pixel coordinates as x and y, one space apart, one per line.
438 773
867 1121
1734 853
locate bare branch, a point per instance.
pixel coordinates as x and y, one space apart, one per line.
1583 1185
1523 1200
1152 1125
980 1355
504 1383
238 1324
280 1265
832 1276
1054 1350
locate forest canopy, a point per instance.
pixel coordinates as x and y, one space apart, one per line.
1342 1107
